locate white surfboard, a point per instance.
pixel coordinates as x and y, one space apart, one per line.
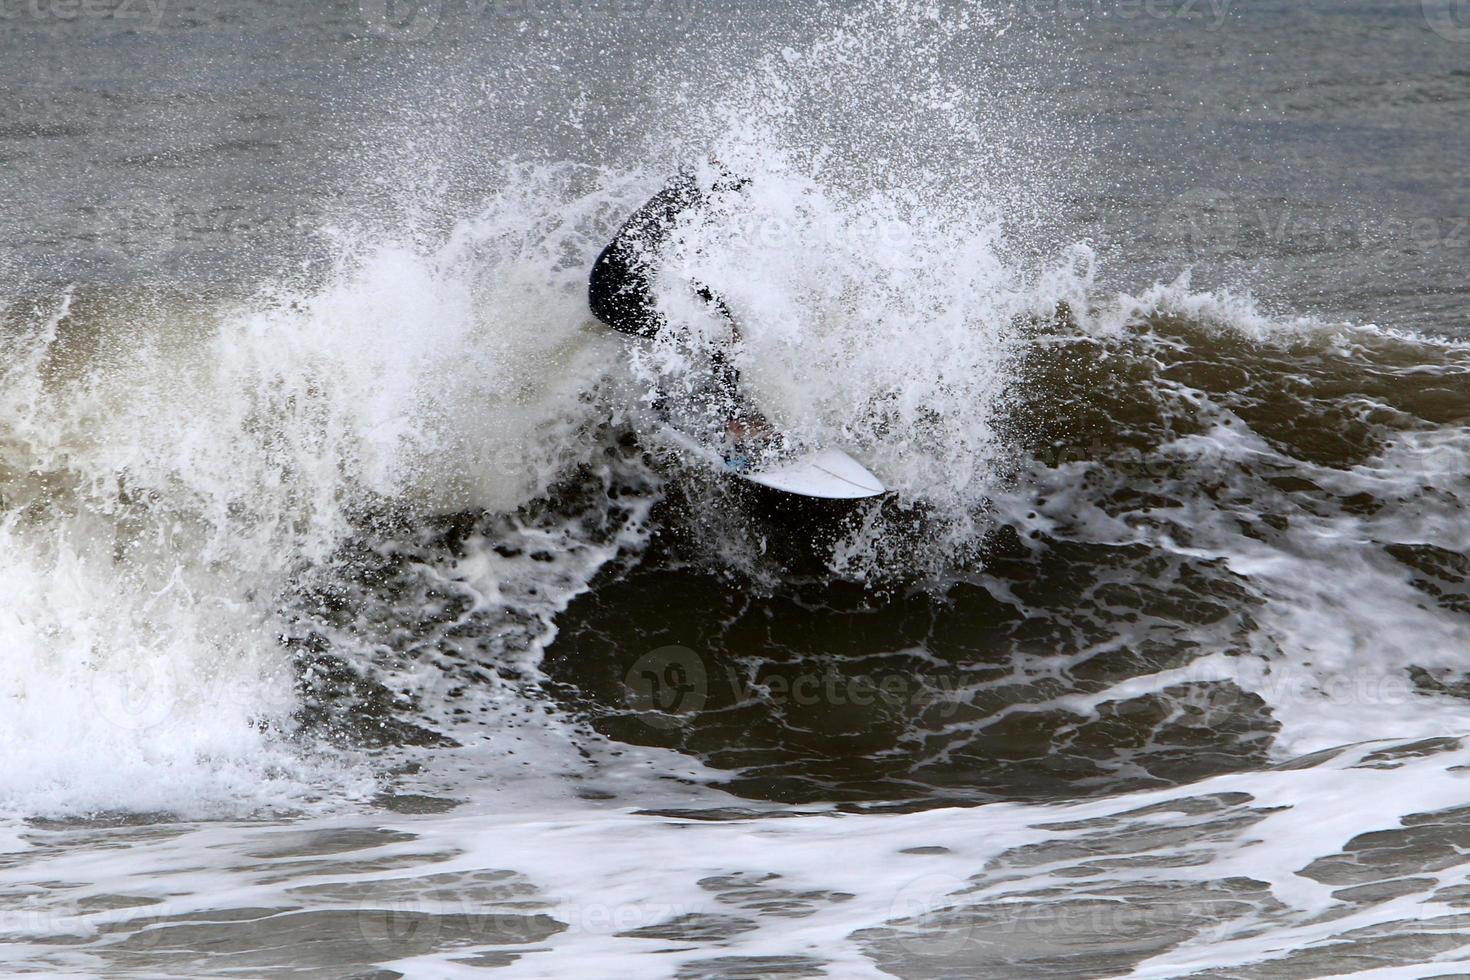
830 474
827 474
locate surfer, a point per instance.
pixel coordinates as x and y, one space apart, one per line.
621 294
620 288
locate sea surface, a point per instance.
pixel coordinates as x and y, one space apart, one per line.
359 619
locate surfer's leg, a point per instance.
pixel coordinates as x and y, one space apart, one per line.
727 384
730 405
743 421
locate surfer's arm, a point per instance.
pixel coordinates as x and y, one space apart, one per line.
718 302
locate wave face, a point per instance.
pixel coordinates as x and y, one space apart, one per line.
351 570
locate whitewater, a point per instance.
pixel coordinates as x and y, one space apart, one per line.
338 593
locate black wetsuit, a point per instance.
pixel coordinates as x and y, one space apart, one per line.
619 290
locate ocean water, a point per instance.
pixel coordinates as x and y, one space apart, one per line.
358 619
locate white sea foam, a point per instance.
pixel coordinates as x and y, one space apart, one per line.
1002 888
168 472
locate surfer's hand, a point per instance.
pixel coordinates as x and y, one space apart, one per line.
747 426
